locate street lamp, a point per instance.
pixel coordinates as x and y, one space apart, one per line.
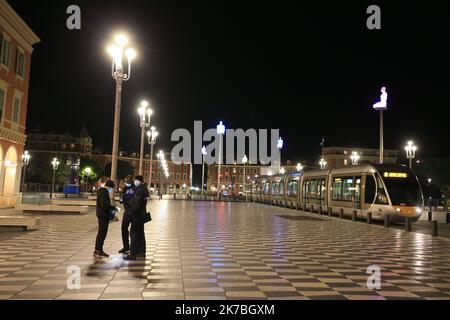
118 73
355 158
144 114
220 131
381 106
299 167
88 172
279 147
322 163
152 134
410 152
25 160
282 171
244 161
204 153
55 165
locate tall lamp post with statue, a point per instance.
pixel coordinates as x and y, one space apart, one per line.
381 106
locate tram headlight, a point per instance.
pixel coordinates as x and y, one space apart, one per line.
418 210
397 209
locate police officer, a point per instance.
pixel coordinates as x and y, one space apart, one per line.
138 211
104 212
127 196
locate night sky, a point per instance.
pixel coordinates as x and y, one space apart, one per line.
310 70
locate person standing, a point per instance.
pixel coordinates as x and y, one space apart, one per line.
103 211
138 212
126 199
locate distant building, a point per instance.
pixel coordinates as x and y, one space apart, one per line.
338 157
63 146
16 41
232 175
180 175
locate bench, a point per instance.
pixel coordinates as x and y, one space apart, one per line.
20 221
44 208
65 202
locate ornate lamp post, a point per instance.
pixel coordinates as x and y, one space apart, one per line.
88 172
144 114
322 163
355 158
410 152
55 165
25 160
220 131
244 161
119 74
152 134
204 153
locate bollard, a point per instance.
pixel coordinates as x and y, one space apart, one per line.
447 217
320 210
341 213
430 215
174 196
312 208
354 215
408 224
330 211
434 228
369 217
387 221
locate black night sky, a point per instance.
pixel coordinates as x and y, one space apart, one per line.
311 70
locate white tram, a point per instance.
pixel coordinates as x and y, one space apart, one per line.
377 188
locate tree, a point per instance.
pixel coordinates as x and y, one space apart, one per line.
97 170
124 168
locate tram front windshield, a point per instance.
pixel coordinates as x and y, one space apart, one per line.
403 189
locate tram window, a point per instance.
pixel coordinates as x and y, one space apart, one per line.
357 191
266 188
381 193
337 188
292 188
275 188
305 190
322 188
312 194
281 187
347 189
369 194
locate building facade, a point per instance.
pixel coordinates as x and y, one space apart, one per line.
62 146
178 182
16 47
338 157
231 176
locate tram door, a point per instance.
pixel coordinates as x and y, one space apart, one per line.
358 192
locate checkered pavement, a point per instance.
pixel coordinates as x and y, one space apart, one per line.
212 250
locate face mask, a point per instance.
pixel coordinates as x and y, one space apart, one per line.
137 183
128 184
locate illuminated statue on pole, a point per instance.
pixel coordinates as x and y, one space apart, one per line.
382 104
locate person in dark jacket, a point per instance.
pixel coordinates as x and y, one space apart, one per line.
126 200
104 209
138 211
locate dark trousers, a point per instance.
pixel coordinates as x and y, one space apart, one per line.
101 234
126 221
138 245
